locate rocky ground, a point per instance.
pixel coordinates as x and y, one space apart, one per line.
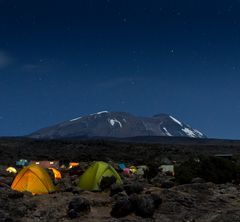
158 199
139 199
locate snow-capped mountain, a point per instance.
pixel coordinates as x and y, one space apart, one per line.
119 124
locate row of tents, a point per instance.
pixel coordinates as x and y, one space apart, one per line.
46 164
36 180
33 177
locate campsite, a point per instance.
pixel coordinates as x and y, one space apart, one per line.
84 181
119 111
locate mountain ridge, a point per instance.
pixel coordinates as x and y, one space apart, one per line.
119 125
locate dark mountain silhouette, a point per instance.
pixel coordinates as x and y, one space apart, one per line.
118 125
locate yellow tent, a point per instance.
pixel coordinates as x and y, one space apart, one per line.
57 173
133 169
33 179
92 177
11 170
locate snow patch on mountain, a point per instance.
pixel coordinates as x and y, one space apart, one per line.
189 132
72 120
114 121
166 131
176 121
99 113
198 133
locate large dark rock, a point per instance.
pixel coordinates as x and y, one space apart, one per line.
143 205
122 207
78 206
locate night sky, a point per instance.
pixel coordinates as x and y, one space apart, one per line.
62 59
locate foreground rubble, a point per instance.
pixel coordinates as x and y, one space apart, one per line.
136 200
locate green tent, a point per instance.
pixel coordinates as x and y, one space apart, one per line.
92 177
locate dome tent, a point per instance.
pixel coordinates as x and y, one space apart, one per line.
11 170
33 179
73 164
92 177
57 173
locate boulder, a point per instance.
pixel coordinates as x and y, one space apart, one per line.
145 205
78 206
122 207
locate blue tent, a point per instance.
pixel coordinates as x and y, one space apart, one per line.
122 166
21 163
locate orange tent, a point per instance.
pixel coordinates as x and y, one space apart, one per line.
33 179
57 173
73 164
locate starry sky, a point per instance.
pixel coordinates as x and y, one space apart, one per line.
62 59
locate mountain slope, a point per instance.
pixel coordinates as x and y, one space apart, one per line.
118 124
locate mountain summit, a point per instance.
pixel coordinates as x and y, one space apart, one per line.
118 124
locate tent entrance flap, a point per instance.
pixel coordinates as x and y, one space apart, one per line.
92 177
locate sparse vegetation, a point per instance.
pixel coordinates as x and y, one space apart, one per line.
213 169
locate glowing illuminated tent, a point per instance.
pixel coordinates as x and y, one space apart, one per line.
121 166
21 163
57 173
92 177
73 164
33 179
133 169
11 170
